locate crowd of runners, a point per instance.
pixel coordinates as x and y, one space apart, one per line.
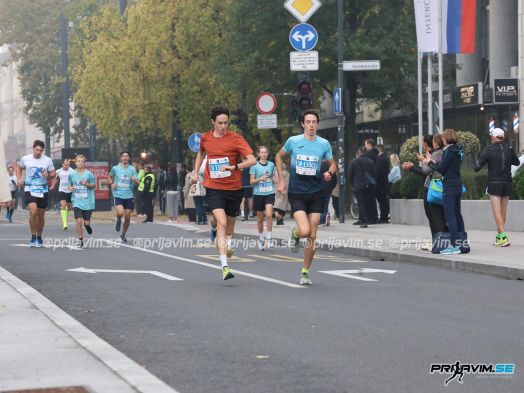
221 160
223 155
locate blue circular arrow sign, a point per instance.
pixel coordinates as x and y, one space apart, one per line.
194 142
303 37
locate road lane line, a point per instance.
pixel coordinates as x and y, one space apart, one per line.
240 273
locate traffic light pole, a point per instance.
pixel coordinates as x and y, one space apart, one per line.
341 116
65 83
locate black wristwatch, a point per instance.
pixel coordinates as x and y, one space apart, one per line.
237 168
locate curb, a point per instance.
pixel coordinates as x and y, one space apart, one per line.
509 273
136 376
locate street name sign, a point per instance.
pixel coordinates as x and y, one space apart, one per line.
361 65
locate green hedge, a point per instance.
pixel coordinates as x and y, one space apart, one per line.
411 186
518 185
475 182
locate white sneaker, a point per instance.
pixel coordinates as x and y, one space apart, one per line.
261 245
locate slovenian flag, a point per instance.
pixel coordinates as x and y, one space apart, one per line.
458 26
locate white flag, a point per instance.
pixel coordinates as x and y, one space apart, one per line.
5 194
426 18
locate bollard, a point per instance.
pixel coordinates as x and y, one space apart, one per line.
172 204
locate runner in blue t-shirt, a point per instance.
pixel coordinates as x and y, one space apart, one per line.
261 177
305 185
82 184
123 179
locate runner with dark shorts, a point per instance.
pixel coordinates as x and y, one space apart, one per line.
222 178
62 175
264 195
123 180
500 157
305 185
38 170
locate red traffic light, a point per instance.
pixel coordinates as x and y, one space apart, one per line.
305 103
304 88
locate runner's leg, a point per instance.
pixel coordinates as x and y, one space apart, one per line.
309 251
496 206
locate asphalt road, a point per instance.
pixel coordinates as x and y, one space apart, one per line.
260 332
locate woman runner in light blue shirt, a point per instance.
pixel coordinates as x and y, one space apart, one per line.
261 175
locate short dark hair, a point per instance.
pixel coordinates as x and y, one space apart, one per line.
380 148
370 141
309 112
219 110
362 150
125 152
428 140
40 143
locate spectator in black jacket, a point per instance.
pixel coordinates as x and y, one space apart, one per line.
449 167
500 157
327 189
362 174
383 185
371 150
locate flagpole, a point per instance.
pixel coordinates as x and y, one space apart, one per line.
420 103
440 72
430 93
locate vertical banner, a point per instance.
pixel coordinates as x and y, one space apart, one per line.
100 169
458 26
426 18
5 194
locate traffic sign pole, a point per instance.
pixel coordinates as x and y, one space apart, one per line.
341 116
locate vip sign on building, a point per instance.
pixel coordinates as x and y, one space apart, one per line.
506 91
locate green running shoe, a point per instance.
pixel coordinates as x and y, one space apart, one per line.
226 273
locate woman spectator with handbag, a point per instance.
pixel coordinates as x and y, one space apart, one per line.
449 167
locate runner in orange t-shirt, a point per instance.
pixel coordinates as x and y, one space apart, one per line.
223 180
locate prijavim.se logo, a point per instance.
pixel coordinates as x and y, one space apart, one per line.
458 370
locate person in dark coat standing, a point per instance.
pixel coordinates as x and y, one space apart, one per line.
362 173
372 153
383 185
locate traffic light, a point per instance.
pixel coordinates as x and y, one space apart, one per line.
304 90
294 111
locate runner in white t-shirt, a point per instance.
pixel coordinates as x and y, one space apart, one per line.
64 193
38 170
12 180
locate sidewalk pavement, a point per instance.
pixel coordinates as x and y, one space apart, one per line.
402 243
42 347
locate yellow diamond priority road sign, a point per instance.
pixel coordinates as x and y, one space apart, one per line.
302 9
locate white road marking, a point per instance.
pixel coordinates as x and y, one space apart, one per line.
153 272
349 273
132 373
240 273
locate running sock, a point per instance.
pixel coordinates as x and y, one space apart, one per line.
305 271
268 236
223 260
261 236
63 213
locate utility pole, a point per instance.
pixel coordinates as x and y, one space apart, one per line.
65 83
341 116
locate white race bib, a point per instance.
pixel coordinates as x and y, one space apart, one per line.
265 186
123 182
306 165
215 164
38 191
80 192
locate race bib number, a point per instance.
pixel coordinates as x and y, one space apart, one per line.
306 165
215 166
265 186
123 182
38 191
81 192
